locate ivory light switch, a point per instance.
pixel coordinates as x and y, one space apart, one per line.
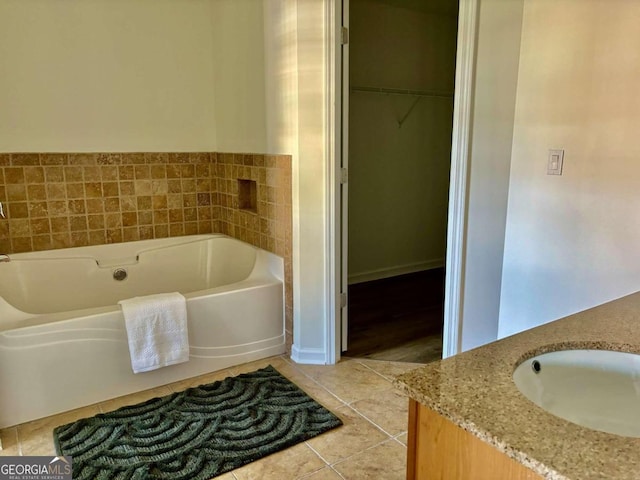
554 162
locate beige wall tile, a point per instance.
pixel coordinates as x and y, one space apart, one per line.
142 172
109 173
176 229
17 210
126 172
19 228
91 173
41 242
75 190
130 234
36 192
79 239
30 158
40 226
14 175
54 174
16 193
97 237
73 174
38 209
21 244
81 158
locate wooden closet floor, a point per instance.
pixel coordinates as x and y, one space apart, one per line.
398 318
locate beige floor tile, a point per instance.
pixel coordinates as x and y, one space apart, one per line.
385 461
292 463
319 394
315 371
139 397
402 439
313 389
352 381
388 410
389 369
326 473
36 438
290 369
9 441
355 435
201 380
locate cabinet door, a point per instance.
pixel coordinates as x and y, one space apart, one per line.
438 449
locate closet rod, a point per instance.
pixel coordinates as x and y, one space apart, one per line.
397 91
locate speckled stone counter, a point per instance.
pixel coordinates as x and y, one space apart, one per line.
475 391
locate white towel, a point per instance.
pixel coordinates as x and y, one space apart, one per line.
156 330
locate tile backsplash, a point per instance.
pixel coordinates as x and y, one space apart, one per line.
58 200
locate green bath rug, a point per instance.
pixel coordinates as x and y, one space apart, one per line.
196 434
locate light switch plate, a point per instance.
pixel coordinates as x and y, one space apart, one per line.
555 161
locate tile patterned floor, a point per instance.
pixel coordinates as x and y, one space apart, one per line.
370 445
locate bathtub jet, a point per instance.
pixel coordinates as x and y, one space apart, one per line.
59 317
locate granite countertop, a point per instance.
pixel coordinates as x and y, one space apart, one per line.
475 390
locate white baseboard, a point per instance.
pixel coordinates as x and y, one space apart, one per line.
308 356
394 271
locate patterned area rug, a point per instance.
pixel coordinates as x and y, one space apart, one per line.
196 434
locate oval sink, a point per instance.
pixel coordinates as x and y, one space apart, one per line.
598 389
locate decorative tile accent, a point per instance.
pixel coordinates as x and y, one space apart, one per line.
248 195
59 200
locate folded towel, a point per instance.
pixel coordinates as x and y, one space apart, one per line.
156 330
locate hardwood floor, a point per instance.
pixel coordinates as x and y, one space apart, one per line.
398 318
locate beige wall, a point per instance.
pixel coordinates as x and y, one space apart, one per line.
144 75
572 241
239 89
106 75
398 176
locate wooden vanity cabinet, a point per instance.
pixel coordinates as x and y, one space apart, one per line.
439 449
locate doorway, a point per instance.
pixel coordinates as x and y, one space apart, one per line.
402 56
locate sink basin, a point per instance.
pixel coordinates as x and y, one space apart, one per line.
598 389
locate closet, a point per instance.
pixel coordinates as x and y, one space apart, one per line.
402 67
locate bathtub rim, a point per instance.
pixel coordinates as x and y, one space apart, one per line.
268 268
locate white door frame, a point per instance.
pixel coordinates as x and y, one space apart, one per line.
460 155
333 241
458 183
343 183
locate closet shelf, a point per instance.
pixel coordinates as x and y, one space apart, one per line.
398 91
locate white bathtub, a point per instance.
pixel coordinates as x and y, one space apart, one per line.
63 343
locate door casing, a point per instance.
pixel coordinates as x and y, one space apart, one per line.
337 148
